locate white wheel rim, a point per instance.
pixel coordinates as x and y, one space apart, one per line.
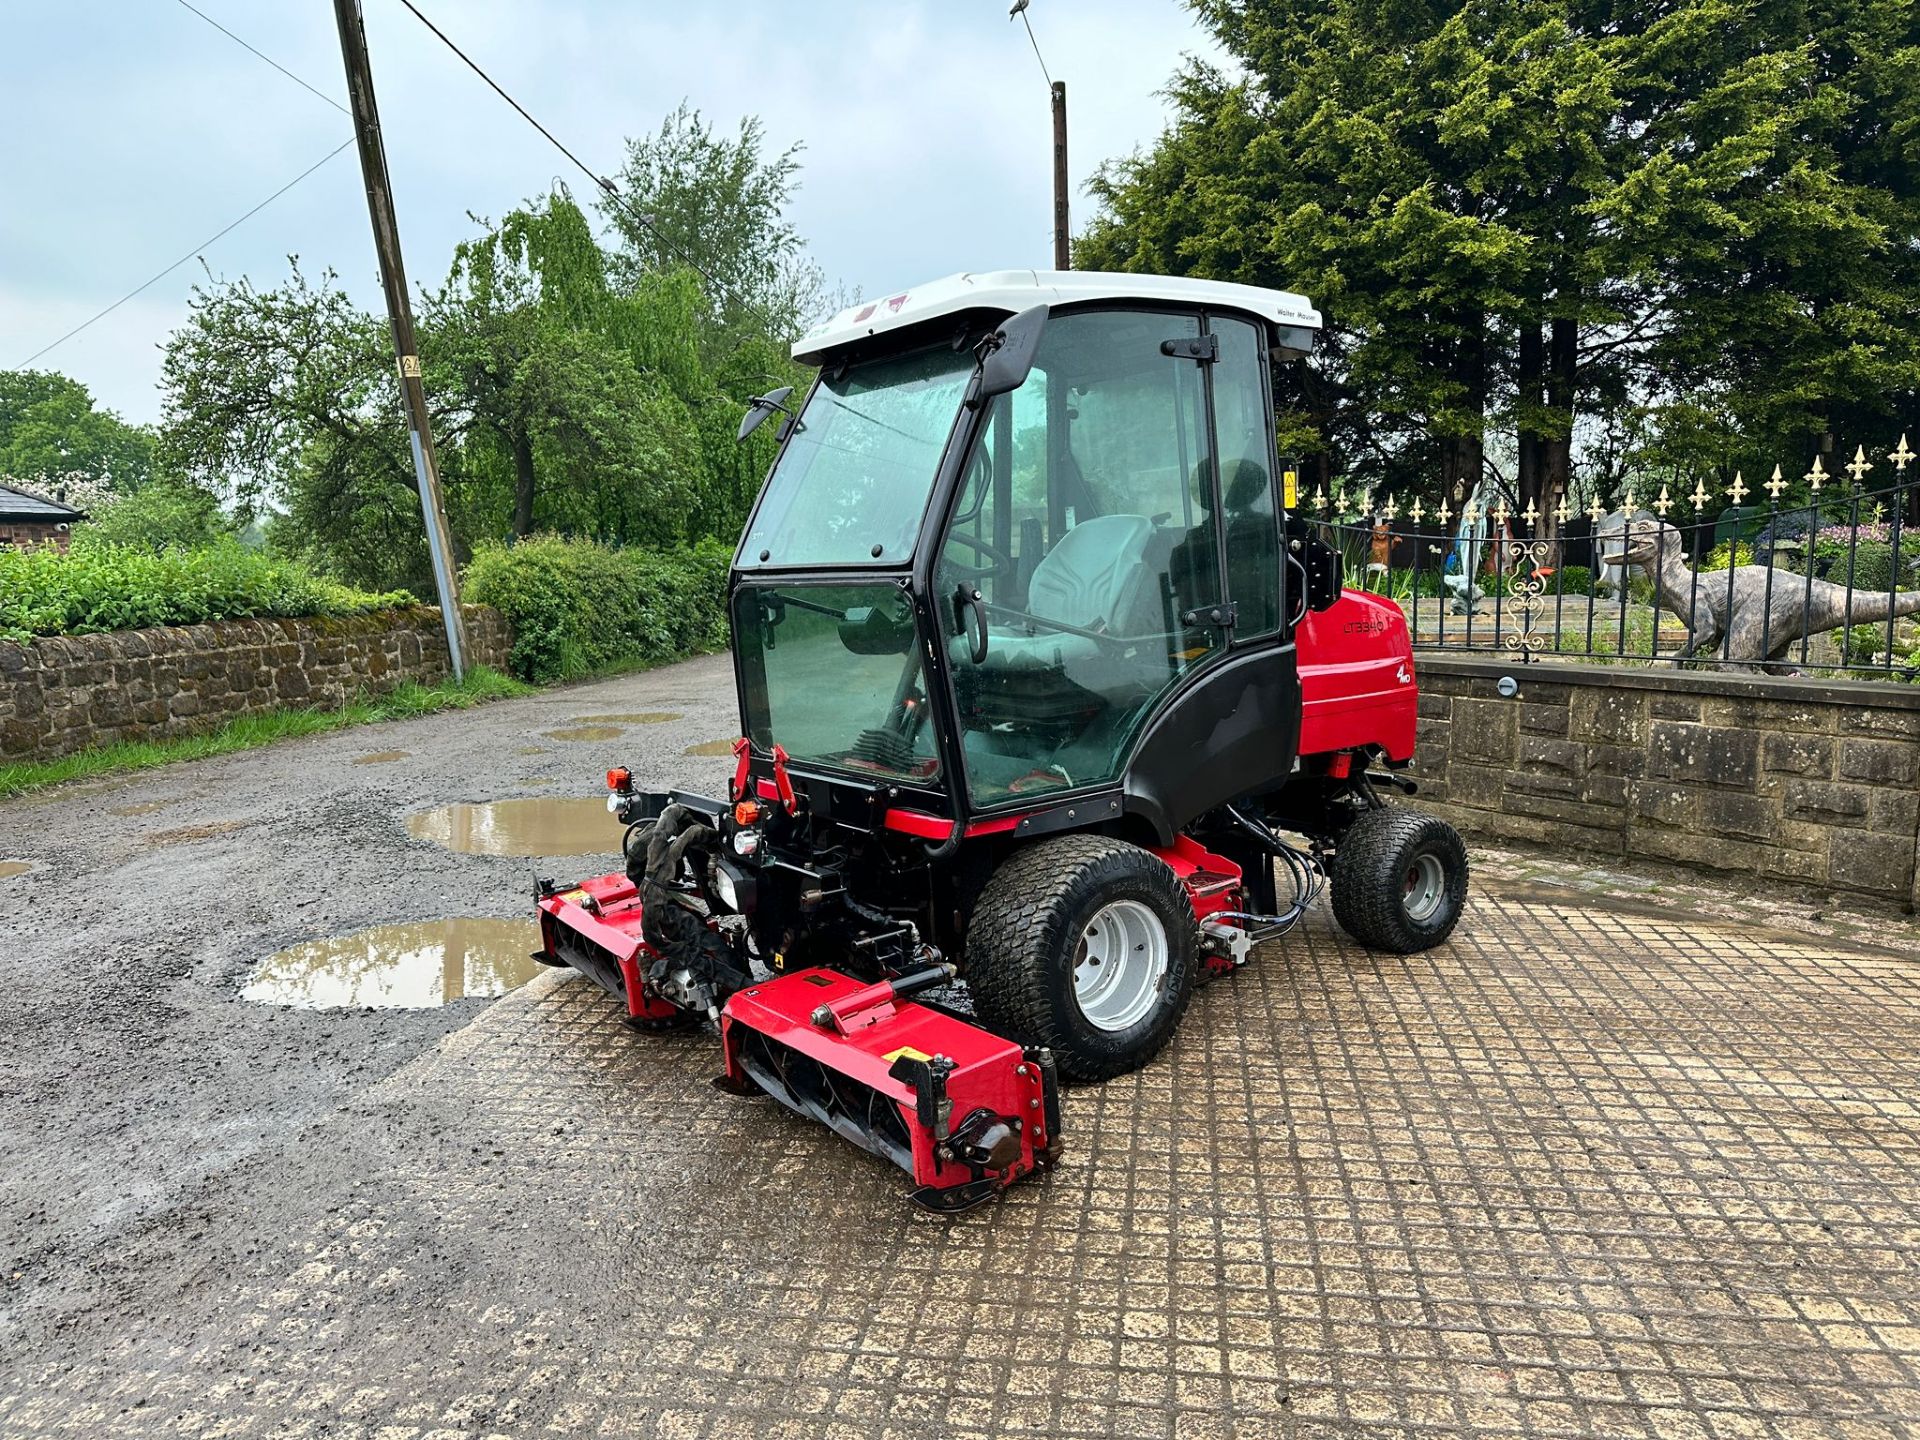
1120 965
1424 889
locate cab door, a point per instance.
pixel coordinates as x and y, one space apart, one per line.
1233 729
1079 572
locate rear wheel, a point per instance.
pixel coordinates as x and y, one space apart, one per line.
1399 880
1084 945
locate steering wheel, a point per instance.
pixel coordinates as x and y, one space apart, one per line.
1003 563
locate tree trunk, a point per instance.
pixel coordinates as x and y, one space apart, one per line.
522 484
1528 383
1557 450
1463 455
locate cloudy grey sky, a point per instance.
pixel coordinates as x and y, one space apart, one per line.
135 130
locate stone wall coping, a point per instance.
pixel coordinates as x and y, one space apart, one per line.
1875 694
244 630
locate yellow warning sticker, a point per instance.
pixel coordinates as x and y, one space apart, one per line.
1290 489
909 1052
575 897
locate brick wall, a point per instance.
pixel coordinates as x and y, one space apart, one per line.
29 535
1809 782
73 692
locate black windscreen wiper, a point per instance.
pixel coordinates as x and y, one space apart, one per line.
813 605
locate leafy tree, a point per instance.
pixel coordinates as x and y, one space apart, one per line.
720 206
573 388
1552 217
288 396
587 386
50 429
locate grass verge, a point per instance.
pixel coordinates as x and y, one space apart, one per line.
404 701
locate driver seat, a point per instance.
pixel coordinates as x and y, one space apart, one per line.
1092 579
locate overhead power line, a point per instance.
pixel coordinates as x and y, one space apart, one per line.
203 245
612 191
264 56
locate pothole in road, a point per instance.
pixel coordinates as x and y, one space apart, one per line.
632 717
399 967
711 747
381 757
185 834
11 868
537 825
585 732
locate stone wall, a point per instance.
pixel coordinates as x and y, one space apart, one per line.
1812 783
68 693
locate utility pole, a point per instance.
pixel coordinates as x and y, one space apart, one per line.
1060 258
393 276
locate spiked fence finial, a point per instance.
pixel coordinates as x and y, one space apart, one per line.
1859 465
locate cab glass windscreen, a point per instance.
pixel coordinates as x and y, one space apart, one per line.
851 486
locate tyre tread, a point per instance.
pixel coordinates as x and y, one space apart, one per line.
1019 917
1366 894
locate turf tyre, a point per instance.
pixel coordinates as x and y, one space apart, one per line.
1024 935
1372 886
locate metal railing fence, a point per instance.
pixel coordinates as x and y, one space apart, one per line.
1820 576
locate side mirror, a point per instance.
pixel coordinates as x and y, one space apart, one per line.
761 406
1010 359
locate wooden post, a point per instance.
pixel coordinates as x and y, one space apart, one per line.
393 277
1061 261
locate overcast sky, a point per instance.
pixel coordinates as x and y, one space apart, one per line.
134 130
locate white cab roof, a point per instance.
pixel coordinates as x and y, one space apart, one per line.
1017 290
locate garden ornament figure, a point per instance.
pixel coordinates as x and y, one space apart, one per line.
1770 611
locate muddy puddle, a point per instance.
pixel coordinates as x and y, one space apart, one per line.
381 757
632 717
585 732
711 747
399 967
538 825
11 868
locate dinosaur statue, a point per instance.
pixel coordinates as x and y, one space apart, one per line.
1758 630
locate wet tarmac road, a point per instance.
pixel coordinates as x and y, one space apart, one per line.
1586 1170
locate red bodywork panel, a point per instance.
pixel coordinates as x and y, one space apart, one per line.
605 912
856 1031
1356 678
1212 881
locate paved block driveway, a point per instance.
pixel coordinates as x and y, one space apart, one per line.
1582 1172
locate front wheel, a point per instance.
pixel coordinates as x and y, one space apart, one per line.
1084 945
1399 880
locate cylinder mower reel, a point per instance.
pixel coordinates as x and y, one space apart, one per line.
1039 737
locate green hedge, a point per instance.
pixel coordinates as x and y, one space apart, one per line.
111 587
578 607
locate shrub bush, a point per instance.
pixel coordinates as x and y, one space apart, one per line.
577 606
1870 562
1720 556
1575 580
159 515
100 586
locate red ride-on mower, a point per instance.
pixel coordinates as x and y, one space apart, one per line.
1037 668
